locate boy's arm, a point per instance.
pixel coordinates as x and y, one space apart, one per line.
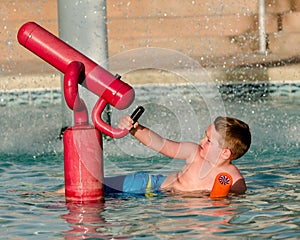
180 150
155 141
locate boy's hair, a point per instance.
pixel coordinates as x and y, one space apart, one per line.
235 135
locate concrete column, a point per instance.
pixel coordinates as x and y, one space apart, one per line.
82 24
262 28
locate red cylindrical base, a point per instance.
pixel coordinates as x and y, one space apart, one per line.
83 164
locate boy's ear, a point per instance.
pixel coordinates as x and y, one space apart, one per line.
226 153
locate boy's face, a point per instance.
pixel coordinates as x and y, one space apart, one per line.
210 147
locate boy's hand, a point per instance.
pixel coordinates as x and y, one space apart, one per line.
127 123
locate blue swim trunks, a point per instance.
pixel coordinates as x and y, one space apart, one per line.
136 183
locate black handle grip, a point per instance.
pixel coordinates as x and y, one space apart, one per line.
137 113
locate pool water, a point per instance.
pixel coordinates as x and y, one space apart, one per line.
31 167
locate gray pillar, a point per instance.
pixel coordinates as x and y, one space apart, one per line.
262 28
82 24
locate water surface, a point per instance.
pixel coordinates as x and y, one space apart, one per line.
31 167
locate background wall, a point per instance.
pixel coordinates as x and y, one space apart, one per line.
217 33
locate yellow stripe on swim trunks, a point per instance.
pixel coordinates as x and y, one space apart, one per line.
148 192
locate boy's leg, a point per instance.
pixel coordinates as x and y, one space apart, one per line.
113 184
131 183
137 183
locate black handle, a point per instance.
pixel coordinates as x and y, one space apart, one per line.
137 113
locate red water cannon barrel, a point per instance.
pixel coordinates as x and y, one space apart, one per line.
59 54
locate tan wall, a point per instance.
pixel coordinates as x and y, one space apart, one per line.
13 15
196 28
204 28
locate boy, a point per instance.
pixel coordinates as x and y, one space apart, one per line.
225 140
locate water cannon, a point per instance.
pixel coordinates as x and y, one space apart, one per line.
83 146
59 54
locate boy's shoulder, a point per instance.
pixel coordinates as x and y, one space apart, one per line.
238 185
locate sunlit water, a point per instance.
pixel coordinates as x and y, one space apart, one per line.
31 167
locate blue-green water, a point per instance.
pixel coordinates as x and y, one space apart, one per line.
31 167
